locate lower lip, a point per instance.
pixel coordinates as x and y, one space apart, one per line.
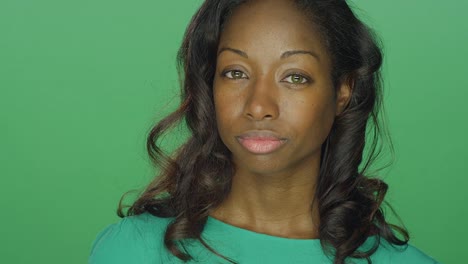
260 146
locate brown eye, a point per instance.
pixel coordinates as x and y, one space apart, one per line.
235 74
296 79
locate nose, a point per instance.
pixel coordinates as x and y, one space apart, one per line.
262 100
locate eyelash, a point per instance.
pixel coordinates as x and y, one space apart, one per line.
307 80
230 71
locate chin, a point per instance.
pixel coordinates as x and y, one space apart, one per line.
261 165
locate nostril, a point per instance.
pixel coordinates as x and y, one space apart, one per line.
259 116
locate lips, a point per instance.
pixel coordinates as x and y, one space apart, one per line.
261 141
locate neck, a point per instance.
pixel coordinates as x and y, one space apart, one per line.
277 204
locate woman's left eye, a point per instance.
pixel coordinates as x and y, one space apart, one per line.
296 79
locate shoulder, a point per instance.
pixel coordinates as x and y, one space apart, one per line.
408 253
411 254
134 239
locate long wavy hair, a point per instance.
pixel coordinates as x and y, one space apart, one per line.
196 177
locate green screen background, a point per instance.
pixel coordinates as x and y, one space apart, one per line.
81 83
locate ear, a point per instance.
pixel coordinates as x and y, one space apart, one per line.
343 95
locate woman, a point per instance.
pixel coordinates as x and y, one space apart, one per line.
277 95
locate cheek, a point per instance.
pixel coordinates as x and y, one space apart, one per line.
226 109
312 117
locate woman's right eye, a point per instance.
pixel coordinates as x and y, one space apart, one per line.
235 74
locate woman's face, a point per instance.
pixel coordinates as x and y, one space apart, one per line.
274 99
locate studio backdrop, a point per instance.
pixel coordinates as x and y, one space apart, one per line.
82 82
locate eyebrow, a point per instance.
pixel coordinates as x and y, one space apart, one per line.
283 56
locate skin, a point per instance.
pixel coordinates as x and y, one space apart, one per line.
272 193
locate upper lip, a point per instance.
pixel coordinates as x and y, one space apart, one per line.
261 134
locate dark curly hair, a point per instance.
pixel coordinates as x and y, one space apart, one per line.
196 177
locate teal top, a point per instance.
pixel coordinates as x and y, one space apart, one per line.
139 239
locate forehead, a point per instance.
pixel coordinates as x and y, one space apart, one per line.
270 27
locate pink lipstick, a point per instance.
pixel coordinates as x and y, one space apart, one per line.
260 142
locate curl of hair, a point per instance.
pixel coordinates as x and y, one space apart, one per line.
197 178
